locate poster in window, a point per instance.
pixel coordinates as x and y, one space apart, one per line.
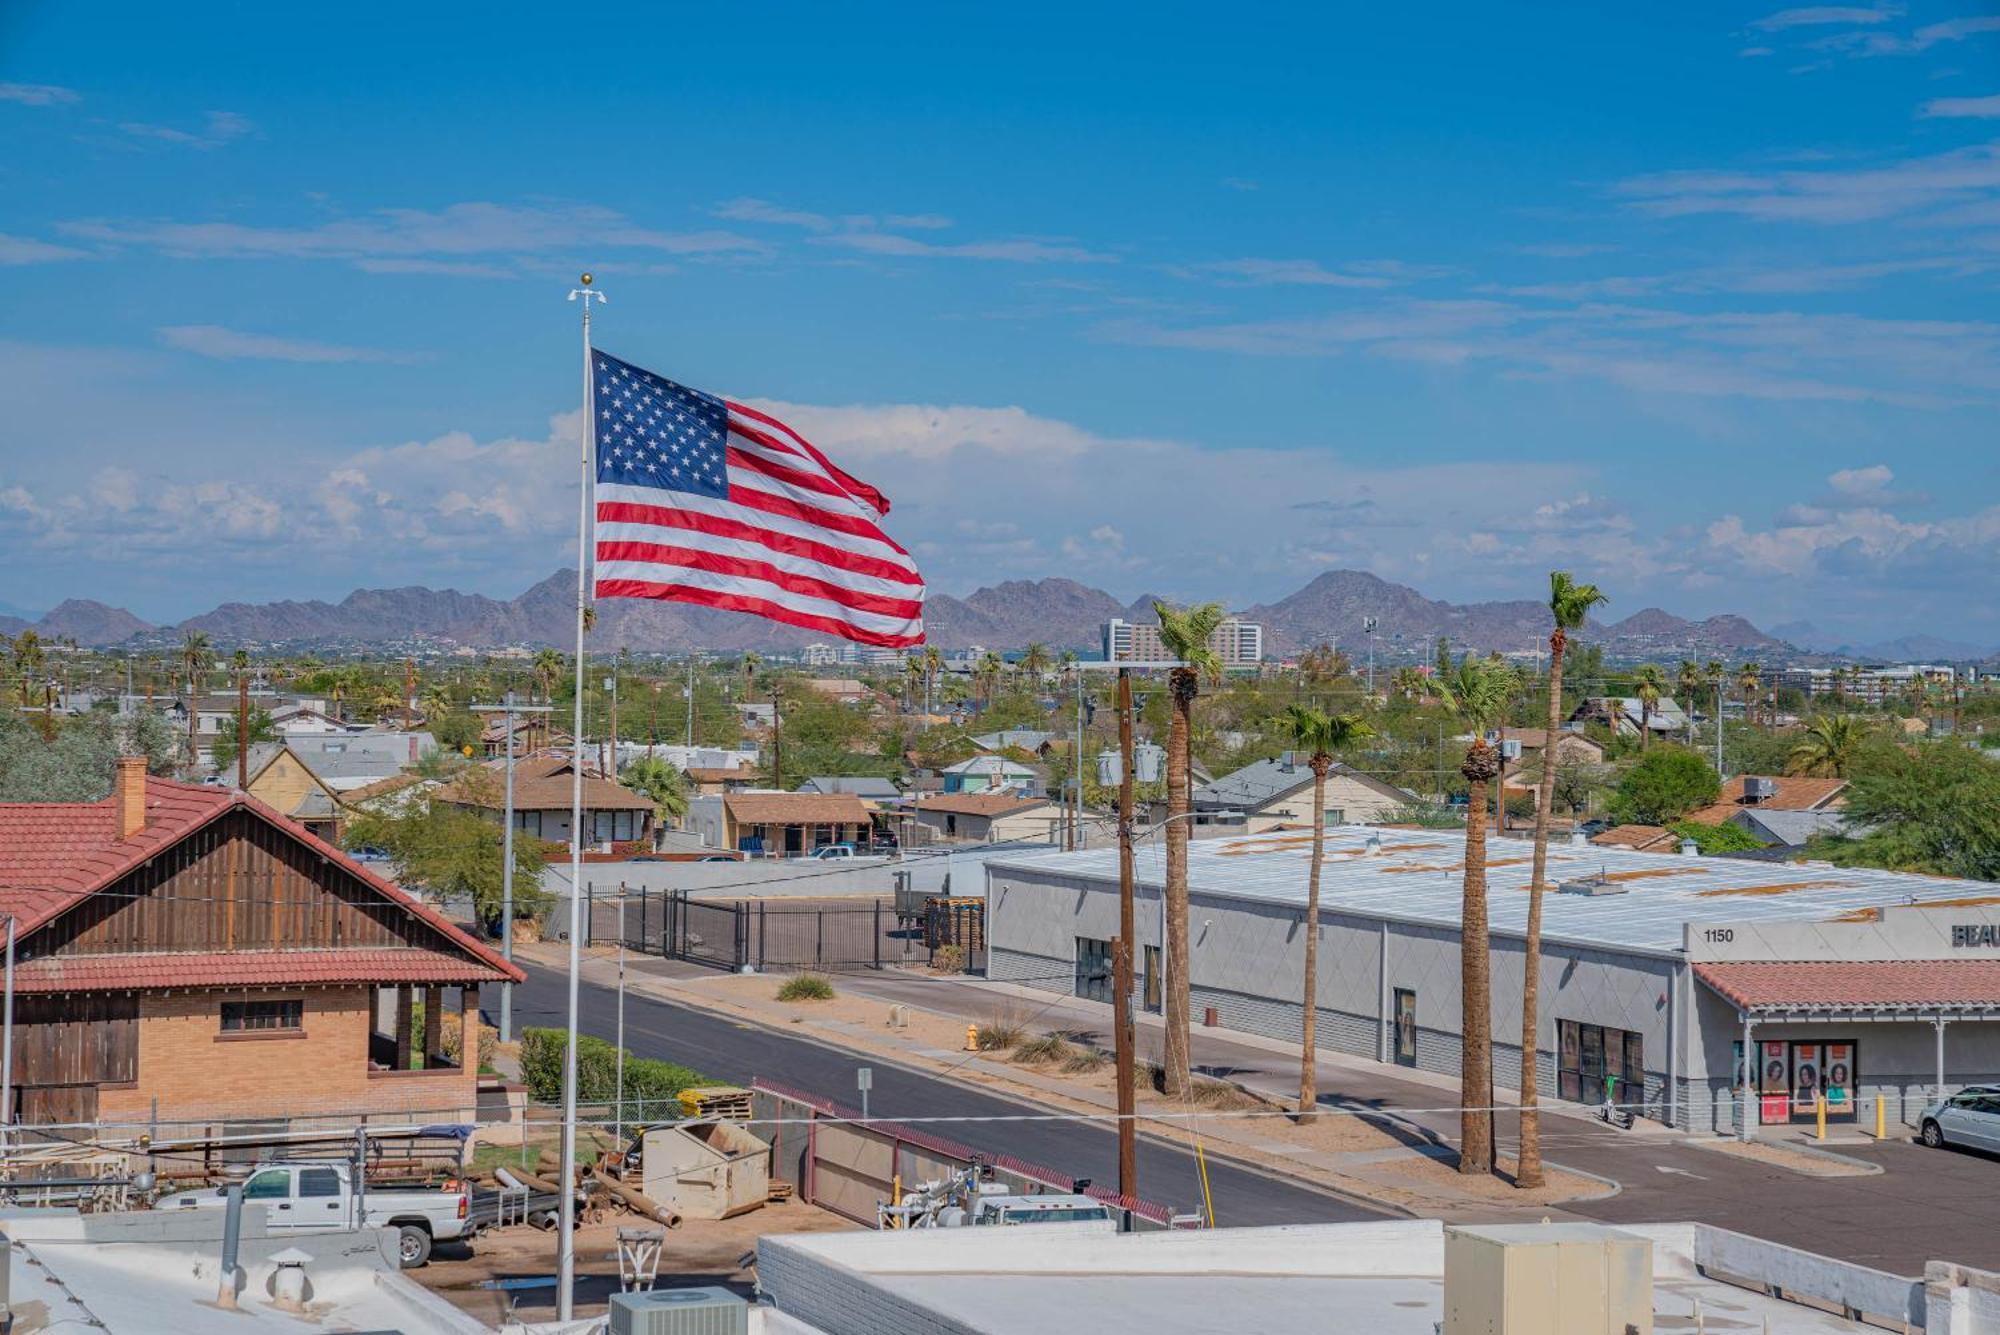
1839 1077
1805 1077
1775 1081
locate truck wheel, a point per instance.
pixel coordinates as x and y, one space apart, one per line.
413 1247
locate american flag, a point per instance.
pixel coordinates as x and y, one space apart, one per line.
702 500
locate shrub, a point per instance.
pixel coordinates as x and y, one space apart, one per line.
654 1084
1713 839
948 959
1665 785
1083 1061
1043 1050
452 1039
806 987
999 1033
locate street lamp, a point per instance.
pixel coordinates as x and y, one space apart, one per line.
510 709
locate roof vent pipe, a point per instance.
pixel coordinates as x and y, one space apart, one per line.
1578 839
1690 849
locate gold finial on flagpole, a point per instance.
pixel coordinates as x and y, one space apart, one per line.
586 280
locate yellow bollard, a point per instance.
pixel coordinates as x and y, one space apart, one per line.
1881 1118
972 1038
1819 1111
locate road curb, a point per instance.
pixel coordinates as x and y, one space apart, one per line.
1024 1102
1868 1168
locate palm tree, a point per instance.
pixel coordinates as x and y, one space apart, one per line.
1476 691
197 657
547 670
1321 735
1035 661
1828 747
1649 684
748 667
1749 680
28 659
1687 680
1570 604
661 782
933 669
913 674
987 677
1184 633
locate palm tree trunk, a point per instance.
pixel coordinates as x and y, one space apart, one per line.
1179 1081
1309 1001
1528 1171
1475 1152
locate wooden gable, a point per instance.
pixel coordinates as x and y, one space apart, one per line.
238 883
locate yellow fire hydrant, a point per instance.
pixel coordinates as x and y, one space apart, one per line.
972 1038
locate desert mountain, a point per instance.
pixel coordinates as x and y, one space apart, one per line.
1060 613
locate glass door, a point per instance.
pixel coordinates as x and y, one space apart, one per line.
1406 1027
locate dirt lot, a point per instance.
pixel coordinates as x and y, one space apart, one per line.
700 1251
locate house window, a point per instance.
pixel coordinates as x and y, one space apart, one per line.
245 1017
1336 816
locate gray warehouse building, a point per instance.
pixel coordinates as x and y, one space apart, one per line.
1657 969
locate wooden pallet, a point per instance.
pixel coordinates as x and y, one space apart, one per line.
730 1101
779 1192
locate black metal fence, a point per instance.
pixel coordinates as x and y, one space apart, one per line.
763 933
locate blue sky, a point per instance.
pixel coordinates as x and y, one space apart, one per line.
1699 302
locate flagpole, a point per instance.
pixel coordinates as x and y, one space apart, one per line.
566 1245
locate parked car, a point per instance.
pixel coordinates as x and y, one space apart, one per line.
833 853
318 1197
1970 1118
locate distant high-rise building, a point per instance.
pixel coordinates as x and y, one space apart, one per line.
821 655
1239 644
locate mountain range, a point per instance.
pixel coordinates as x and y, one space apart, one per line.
1061 613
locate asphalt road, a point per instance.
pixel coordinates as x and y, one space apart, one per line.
735 1052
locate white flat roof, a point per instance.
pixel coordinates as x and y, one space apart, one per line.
1419 877
1385 1279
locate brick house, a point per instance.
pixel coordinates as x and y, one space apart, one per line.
189 945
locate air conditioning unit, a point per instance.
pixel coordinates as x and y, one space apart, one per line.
1546 1279
1510 749
1759 790
702 1311
1591 885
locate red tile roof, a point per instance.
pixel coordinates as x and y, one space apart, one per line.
1866 985
247 968
796 809
54 854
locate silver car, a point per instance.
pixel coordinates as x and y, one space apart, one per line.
1970 1118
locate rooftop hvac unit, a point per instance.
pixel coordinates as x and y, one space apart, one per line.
703 1311
1546 1279
1759 790
1148 758
1591 885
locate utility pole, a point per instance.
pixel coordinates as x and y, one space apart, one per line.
1368 629
1076 772
512 709
777 742
690 704
1718 728
1121 953
611 685
409 694
242 731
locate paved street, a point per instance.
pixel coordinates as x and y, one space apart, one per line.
737 1052
1928 1204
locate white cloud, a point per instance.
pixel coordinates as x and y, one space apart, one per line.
1980 108
218 129
1305 273
1829 196
1868 481
210 340
763 211
38 94
27 250
1028 250
456 233
1822 15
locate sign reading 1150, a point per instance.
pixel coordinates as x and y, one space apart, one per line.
1719 934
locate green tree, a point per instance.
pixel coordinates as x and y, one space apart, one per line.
29 657
1936 810
1570 604
1476 692
1749 680
258 728
1319 735
661 782
452 853
78 763
1184 632
1035 661
1687 681
1664 786
1828 747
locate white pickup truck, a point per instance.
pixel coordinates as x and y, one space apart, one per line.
318 1196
